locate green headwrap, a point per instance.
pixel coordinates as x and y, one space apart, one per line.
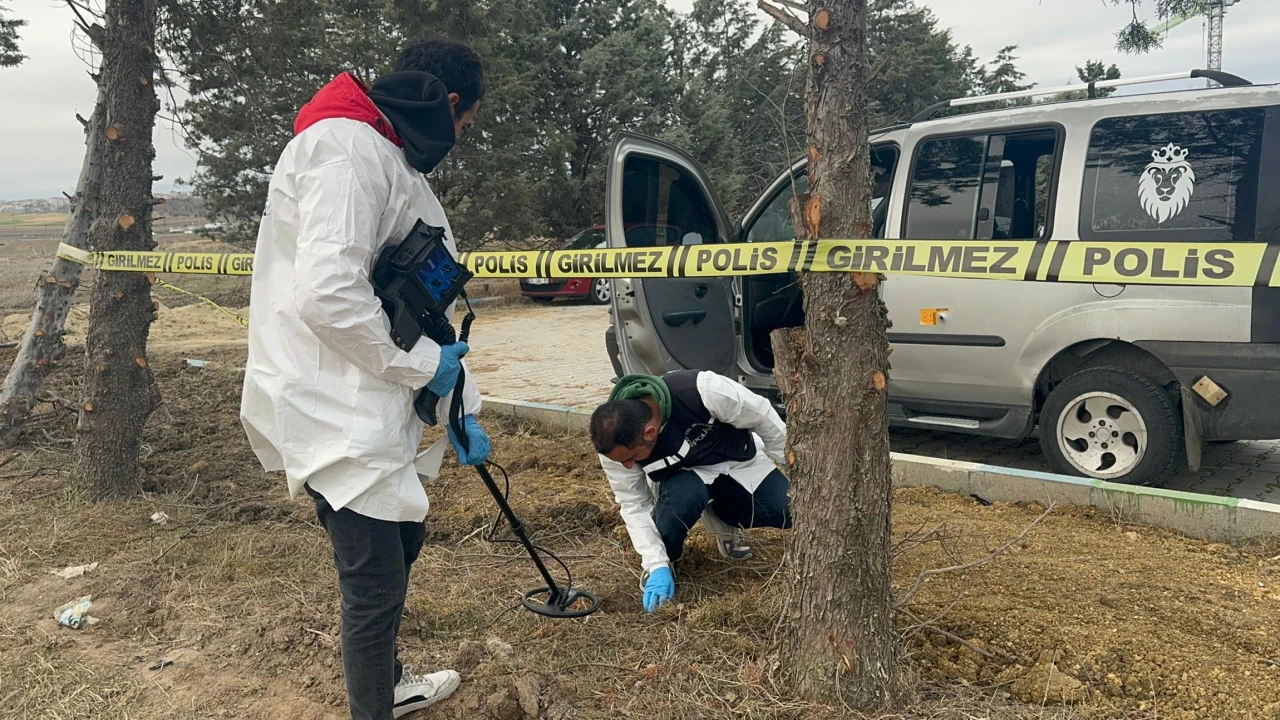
634 387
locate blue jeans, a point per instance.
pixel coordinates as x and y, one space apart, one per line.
683 496
373 558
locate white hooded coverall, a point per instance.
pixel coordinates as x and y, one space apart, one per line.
328 396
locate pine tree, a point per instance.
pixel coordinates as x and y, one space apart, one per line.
839 643
10 55
119 390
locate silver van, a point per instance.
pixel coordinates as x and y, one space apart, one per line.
1121 382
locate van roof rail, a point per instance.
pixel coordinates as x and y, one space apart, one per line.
1222 78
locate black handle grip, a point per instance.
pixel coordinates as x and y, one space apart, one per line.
426 402
425 406
676 318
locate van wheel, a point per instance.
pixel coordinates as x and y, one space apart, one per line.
1112 424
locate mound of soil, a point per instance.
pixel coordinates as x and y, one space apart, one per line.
230 608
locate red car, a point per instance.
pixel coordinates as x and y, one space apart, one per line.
598 291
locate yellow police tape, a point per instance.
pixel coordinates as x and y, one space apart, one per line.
229 313
1154 263
157 262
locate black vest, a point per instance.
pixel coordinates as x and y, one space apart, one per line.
691 438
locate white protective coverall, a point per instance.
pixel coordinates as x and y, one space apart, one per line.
328 396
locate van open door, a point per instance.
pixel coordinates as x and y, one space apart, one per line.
656 196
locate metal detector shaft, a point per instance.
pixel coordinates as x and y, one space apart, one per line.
561 602
517 527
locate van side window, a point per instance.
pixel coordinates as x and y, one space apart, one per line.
1024 189
1188 177
664 206
983 187
943 201
774 224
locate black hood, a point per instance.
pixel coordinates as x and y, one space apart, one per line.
417 104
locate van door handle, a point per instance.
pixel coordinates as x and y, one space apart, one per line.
676 318
700 291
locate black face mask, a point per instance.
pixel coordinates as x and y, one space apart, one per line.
417 104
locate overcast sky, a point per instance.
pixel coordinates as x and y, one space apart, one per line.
41 145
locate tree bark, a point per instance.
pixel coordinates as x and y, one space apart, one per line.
43 345
120 392
839 645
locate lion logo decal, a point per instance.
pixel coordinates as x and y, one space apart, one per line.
1167 183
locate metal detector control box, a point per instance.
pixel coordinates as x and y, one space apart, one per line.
417 282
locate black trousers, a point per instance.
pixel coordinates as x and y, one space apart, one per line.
373 558
683 497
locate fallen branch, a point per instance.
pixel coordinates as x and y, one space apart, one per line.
930 572
917 538
25 474
922 625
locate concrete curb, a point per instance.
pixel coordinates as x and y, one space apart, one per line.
1219 519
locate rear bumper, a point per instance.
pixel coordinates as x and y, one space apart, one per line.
573 287
1248 372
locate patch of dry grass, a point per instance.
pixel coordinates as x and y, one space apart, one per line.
238 592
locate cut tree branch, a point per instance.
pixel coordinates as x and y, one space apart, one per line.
802 7
95 32
930 572
793 23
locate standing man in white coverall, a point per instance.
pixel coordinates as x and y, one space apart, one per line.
328 396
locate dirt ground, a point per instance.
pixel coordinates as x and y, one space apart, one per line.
230 609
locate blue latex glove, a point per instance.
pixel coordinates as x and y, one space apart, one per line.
448 369
476 438
660 588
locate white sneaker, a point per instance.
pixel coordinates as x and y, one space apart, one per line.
415 692
730 541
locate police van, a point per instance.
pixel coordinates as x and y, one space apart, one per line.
1122 382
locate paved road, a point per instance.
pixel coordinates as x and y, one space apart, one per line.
556 355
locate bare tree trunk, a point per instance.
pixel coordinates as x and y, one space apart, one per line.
840 644
43 343
120 392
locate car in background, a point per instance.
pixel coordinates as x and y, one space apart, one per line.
597 292
600 290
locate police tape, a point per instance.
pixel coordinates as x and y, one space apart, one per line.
229 313
196 263
1153 263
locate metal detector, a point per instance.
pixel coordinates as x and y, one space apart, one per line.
417 280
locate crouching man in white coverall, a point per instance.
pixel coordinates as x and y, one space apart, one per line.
708 445
328 396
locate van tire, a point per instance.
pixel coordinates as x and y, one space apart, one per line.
1156 409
